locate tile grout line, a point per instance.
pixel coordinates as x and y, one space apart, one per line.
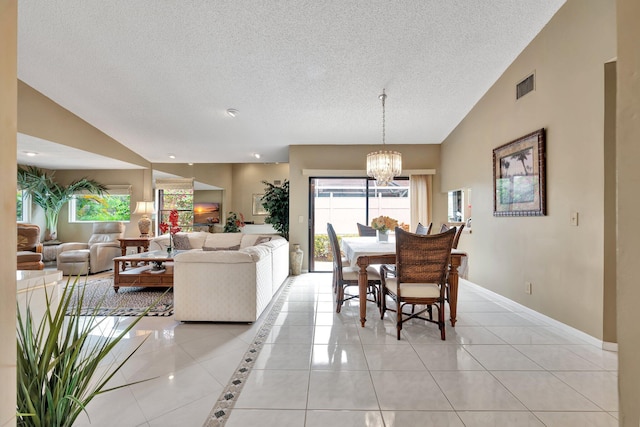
229 396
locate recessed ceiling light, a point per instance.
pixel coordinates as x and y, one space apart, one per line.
172 156
232 112
256 155
190 163
30 153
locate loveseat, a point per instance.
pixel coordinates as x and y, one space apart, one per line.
225 277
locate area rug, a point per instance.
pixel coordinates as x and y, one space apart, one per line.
101 300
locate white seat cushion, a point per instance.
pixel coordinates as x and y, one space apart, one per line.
414 290
350 273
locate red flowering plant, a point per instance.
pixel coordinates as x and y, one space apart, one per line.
172 227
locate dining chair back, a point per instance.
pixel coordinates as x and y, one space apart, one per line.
444 227
419 278
456 239
365 230
345 276
422 230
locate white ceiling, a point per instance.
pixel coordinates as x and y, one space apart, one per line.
158 76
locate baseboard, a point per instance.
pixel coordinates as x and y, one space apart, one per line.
544 318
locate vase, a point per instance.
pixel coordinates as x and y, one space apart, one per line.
295 259
382 236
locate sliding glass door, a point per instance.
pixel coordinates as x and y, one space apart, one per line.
344 202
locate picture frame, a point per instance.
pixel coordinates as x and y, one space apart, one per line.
205 213
256 205
519 177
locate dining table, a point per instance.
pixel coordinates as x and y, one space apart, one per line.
364 251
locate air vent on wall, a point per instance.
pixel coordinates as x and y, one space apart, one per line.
525 86
277 182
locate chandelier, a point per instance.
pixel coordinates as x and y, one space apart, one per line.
384 165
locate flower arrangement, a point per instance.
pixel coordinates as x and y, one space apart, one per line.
234 223
384 223
172 227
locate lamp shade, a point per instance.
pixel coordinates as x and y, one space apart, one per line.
144 224
143 208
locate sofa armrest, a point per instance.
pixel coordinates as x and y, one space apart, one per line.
39 248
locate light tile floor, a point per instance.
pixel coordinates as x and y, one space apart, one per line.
500 366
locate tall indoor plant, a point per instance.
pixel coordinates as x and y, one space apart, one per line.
276 202
50 195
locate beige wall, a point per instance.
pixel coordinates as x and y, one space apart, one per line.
340 157
628 153
8 128
247 181
39 116
563 262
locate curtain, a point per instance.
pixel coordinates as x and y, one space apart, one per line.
421 194
174 184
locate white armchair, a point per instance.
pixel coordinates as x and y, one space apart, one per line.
95 256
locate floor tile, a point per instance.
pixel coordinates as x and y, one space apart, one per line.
541 391
343 334
599 387
338 357
577 419
476 390
341 390
421 418
318 418
392 358
191 414
447 358
291 335
266 418
556 358
284 356
504 418
408 390
273 389
501 358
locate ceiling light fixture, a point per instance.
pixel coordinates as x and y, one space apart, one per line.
30 153
172 156
256 155
232 112
384 165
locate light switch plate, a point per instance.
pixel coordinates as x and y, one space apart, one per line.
574 218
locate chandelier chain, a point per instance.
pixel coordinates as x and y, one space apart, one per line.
383 97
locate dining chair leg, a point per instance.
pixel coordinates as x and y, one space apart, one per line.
441 322
339 298
399 318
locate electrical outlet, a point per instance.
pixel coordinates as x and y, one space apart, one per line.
574 218
527 288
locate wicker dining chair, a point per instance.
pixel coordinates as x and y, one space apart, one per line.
456 239
365 230
344 277
419 278
422 230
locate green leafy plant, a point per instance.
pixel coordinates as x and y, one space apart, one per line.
59 359
51 196
234 223
276 202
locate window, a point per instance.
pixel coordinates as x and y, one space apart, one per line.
115 206
176 194
23 205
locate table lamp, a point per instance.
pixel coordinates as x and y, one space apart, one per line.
144 224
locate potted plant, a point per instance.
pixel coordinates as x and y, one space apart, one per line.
276 202
234 223
51 196
59 358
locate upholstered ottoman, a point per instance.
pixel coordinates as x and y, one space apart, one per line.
74 262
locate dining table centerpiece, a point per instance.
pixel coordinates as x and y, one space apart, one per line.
383 225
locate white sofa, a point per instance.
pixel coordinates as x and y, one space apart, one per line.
234 283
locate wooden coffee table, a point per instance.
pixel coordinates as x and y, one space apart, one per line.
152 269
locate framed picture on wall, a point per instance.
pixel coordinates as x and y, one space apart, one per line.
256 204
519 187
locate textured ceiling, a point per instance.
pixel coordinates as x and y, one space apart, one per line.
158 76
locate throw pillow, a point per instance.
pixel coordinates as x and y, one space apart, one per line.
262 240
181 242
230 248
